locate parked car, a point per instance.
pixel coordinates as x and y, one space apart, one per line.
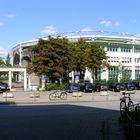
137 85
115 87
88 87
122 86
129 86
4 87
72 88
101 87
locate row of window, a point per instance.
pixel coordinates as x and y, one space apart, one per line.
123 60
126 73
116 49
113 73
116 59
123 49
137 60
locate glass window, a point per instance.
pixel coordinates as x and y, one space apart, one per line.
126 74
137 74
112 49
113 72
125 49
137 50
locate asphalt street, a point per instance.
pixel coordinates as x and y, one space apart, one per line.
73 121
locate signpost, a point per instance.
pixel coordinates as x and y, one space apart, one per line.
43 79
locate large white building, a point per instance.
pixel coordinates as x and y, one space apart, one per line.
123 51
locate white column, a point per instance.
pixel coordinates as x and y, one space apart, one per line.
20 55
72 75
12 58
25 80
10 79
133 63
104 74
20 76
87 75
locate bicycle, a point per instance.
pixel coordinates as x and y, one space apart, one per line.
58 95
126 105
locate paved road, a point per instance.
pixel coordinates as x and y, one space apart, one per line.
76 121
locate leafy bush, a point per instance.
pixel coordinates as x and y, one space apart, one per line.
55 86
112 80
100 81
126 80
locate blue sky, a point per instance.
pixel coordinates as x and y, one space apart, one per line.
22 20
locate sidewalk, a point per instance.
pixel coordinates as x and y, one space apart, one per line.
21 97
25 97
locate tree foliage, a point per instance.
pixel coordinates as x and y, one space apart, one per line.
7 61
96 57
1 61
52 57
16 59
80 55
57 56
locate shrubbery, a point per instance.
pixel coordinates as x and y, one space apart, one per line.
55 86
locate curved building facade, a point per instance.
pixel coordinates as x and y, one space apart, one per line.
123 51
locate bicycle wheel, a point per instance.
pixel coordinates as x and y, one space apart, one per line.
52 96
130 106
122 108
63 95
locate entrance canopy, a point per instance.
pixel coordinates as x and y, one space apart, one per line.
14 69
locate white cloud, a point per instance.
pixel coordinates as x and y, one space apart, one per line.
3 52
137 35
49 30
108 23
87 29
11 15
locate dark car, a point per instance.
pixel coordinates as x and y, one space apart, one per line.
4 87
115 87
72 88
129 86
101 87
122 86
137 85
88 87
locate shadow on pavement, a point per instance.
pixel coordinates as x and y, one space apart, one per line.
7 103
58 122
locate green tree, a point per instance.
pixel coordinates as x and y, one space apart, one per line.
56 57
79 54
51 57
7 61
16 59
1 61
95 58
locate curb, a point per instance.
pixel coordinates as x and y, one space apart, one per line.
48 102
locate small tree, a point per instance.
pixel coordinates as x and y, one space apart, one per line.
7 61
95 58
